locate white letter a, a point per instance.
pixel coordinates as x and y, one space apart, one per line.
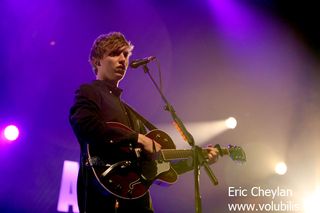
68 188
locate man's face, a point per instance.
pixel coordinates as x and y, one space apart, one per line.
113 65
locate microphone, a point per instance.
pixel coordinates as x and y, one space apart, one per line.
139 62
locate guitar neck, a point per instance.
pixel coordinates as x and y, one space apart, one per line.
177 154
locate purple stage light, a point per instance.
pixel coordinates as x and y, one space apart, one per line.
11 133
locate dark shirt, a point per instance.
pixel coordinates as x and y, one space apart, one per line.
95 104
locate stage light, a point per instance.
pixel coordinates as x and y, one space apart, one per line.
202 132
11 133
280 168
231 123
311 203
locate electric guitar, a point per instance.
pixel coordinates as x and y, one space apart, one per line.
133 174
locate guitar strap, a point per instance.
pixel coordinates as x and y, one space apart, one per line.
149 125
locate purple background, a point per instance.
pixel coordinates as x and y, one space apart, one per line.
255 60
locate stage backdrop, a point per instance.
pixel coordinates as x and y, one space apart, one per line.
247 59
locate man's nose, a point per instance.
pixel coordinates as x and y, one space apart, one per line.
122 57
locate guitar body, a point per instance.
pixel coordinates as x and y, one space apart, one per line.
133 173
128 173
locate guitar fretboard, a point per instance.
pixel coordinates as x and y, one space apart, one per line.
174 154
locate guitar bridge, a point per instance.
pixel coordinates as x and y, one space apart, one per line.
96 161
121 164
138 151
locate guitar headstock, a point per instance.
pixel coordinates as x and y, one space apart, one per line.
236 153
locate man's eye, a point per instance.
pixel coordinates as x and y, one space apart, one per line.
126 54
114 53
117 53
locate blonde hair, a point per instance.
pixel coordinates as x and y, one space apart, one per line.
105 44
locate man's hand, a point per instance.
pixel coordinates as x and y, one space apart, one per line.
213 154
147 144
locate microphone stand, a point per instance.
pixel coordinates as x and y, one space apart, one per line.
198 158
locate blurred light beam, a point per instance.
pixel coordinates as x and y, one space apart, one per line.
202 132
311 203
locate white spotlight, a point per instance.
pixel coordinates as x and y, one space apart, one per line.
280 168
11 132
231 123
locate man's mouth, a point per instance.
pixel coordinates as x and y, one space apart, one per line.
120 69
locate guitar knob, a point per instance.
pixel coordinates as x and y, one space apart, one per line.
118 187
